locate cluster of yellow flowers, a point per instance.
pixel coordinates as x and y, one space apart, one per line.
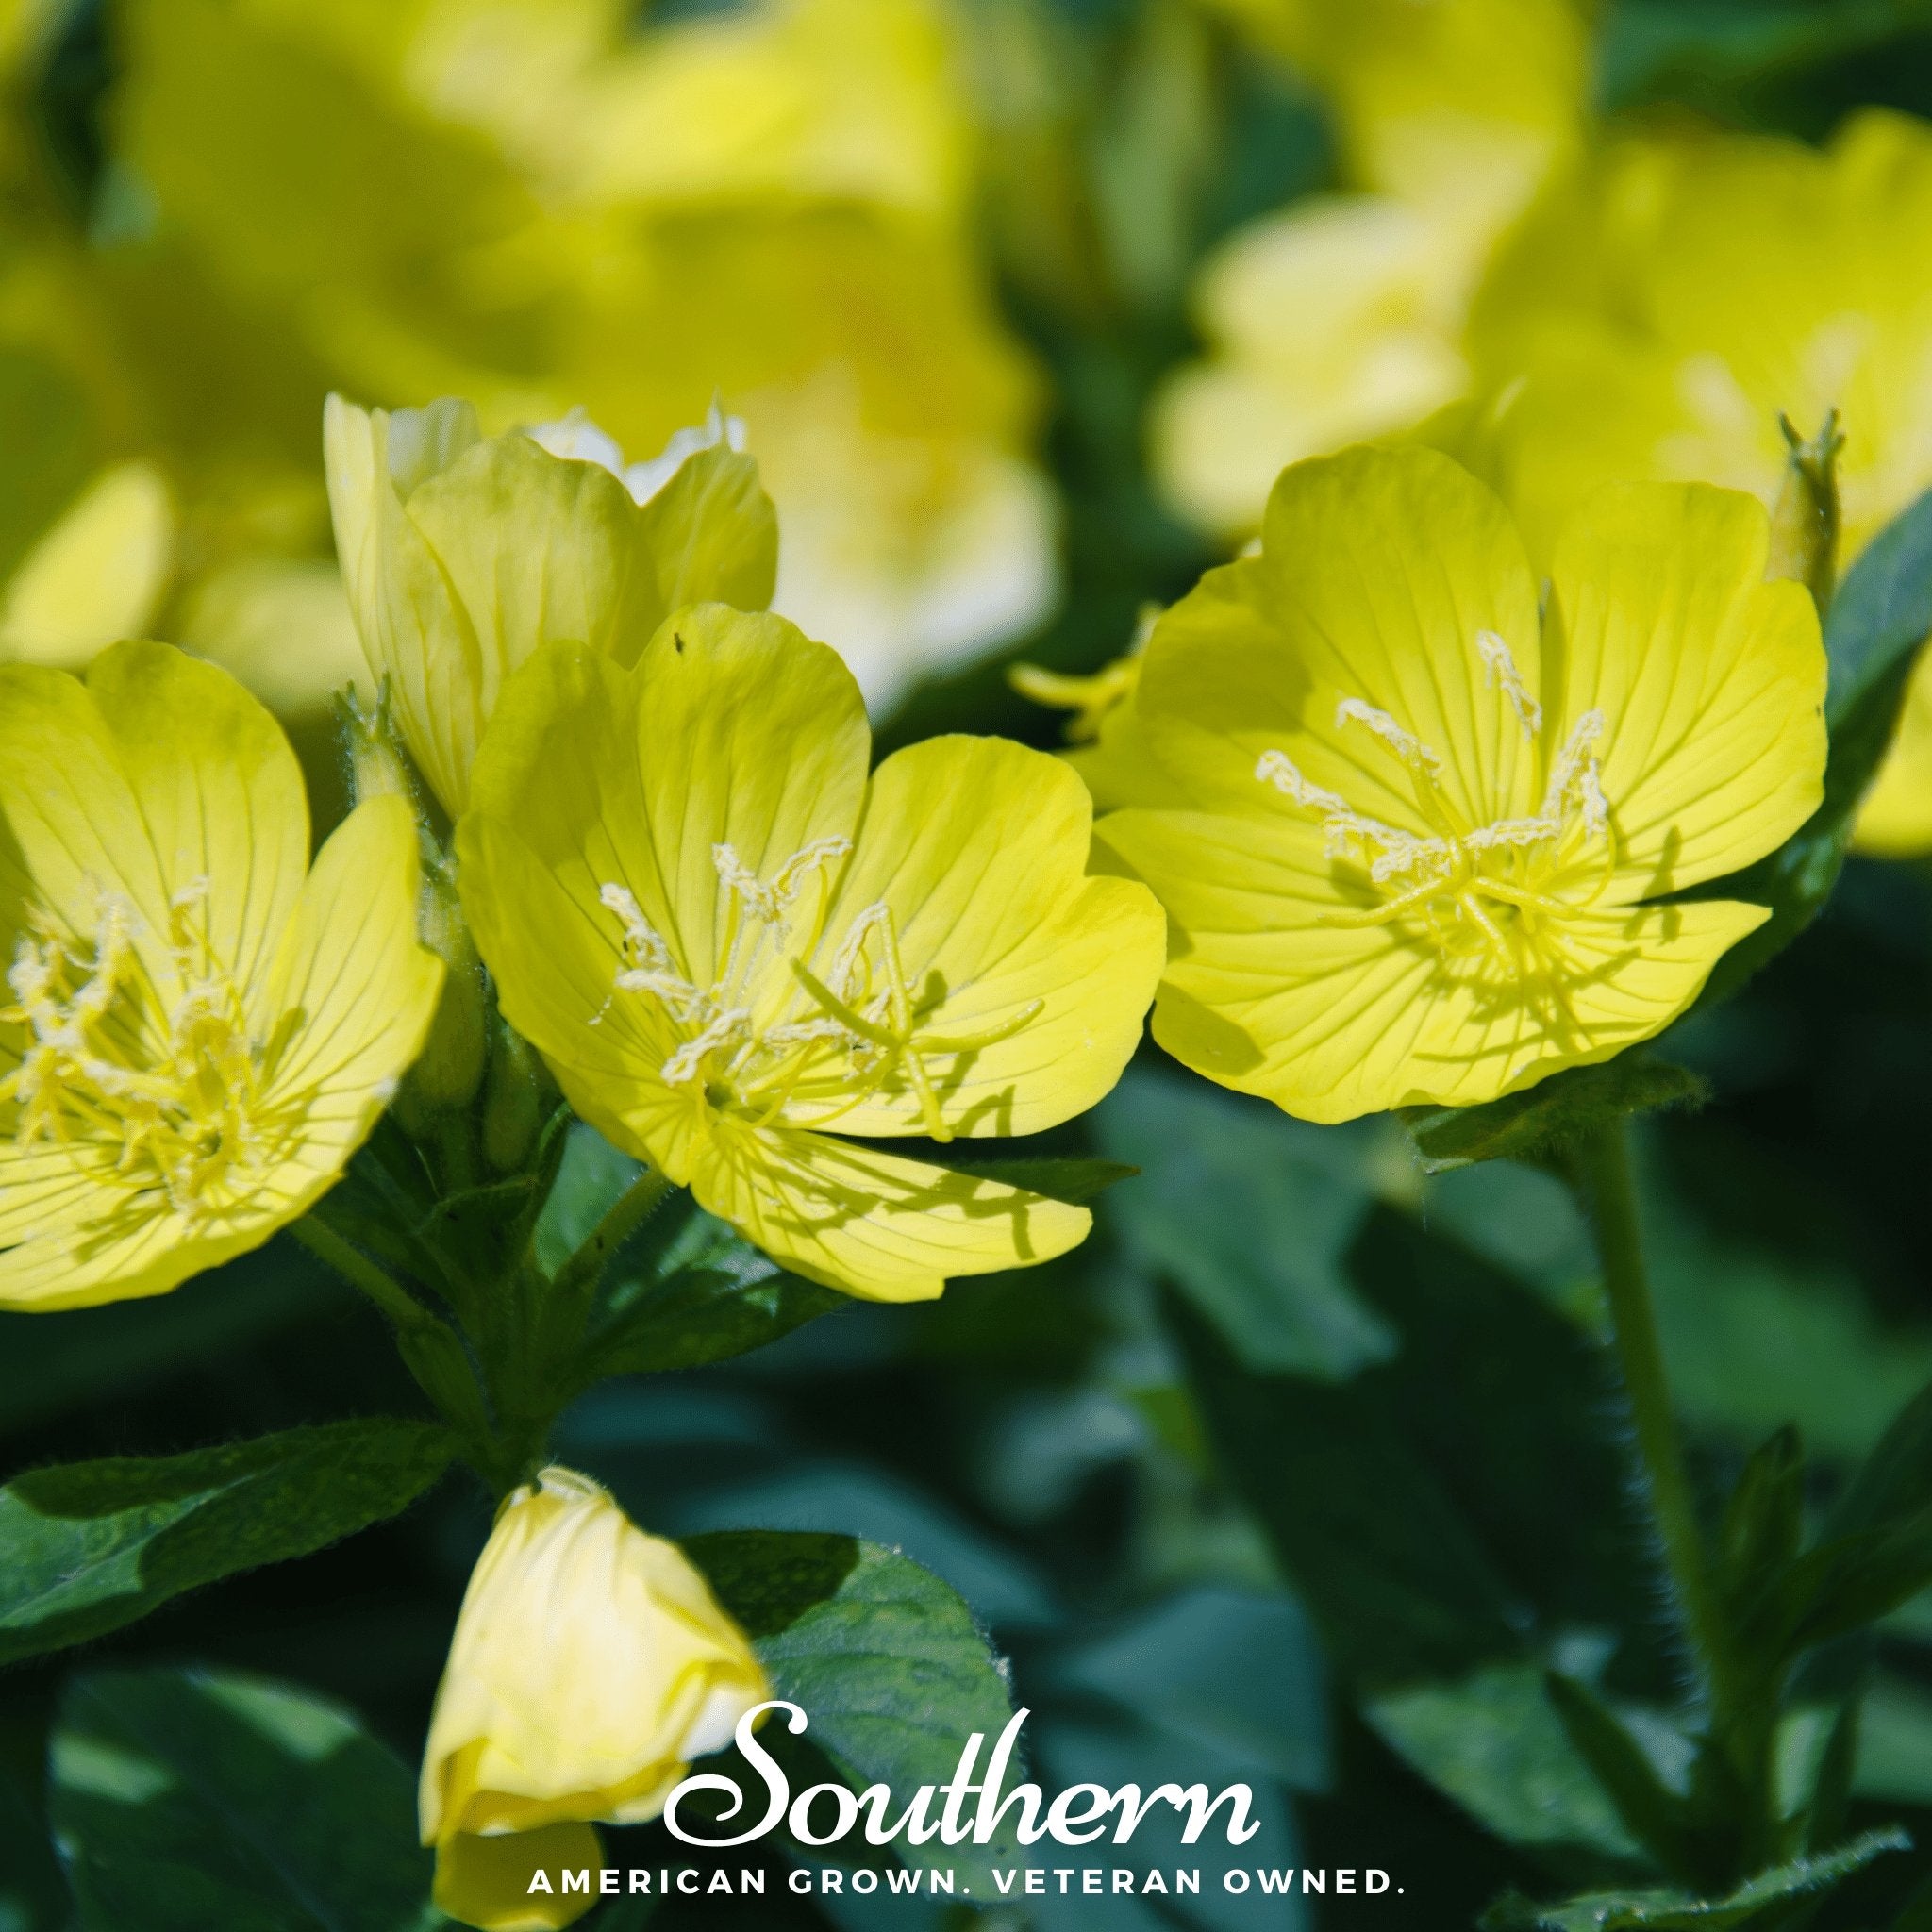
1560 305
1403 806
507 199
1409 836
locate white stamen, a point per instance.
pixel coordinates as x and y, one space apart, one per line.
1500 669
1405 744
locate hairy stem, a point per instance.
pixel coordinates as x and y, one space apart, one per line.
1602 1166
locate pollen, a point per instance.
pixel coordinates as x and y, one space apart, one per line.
1491 898
139 1062
800 1021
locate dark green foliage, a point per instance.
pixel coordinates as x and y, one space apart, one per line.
93 1545
189 1800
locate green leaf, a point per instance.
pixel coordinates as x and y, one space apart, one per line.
687 1289
1651 1812
1764 1522
1875 1552
1250 1215
1879 617
1894 1744
1538 1122
1413 1508
187 1800
1676 1911
887 1660
1493 1741
90 1546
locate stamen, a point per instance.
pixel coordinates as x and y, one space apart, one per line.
1405 744
1500 669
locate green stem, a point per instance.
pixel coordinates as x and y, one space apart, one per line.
431 1350
1603 1171
582 1272
360 1272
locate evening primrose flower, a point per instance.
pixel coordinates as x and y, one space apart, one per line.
1429 826
590 1664
461 554
1661 313
198 1028
734 949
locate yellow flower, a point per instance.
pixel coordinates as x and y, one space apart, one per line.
590 1664
1428 826
200 1028
1657 317
464 553
1341 318
725 939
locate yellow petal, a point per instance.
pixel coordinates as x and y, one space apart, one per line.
96 575
590 1664
486 1882
160 771
413 629
353 986
978 849
218 789
1711 681
1380 571
876 1224
1331 1022
709 535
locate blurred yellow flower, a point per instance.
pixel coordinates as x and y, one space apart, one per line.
96 576
1341 319
1429 826
201 1030
590 1664
726 940
1658 314
538 205
462 554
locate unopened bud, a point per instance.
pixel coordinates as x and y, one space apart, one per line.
1804 524
590 1664
451 1067
378 766
519 1096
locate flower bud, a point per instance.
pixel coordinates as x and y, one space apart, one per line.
1805 524
590 1664
451 1066
462 553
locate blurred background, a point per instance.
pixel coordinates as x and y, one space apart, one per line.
1024 304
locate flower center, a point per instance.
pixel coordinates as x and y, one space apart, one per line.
165 1078
794 1017
1496 895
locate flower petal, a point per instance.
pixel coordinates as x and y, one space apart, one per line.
1333 1022
1711 681
978 848
413 627
876 1224
486 1882
217 788
352 988
732 730
1380 571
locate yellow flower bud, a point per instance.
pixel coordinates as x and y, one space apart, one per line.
590 1664
461 554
